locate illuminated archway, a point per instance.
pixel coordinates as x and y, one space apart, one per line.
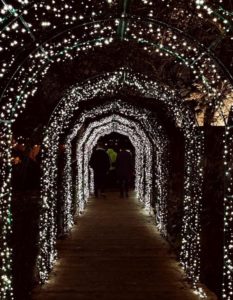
20 79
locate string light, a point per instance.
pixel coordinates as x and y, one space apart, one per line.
191 229
117 106
160 143
6 290
60 120
228 213
110 83
25 24
142 147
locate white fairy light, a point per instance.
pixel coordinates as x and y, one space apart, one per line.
160 147
25 23
145 146
60 121
228 214
144 87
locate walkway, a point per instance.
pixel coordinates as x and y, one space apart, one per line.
115 253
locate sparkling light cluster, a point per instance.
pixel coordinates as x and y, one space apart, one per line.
6 291
48 228
228 212
151 90
191 229
142 148
154 36
79 147
108 84
158 140
59 121
103 86
107 125
33 39
220 16
68 187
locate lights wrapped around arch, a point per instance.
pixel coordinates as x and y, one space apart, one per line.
21 83
193 184
105 85
33 41
142 144
158 139
6 290
47 256
80 164
228 212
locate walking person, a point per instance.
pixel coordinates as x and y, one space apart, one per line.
124 170
100 164
112 171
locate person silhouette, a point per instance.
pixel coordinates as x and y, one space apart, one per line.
100 164
112 171
124 170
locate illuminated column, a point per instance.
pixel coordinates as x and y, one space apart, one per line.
91 181
80 193
148 180
6 291
86 190
227 292
47 224
191 248
67 187
162 178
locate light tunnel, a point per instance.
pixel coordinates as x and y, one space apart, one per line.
59 122
155 57
109 108
131 111
190 144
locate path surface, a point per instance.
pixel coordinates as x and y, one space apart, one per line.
114 253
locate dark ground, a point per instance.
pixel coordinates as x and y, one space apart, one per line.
115 252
